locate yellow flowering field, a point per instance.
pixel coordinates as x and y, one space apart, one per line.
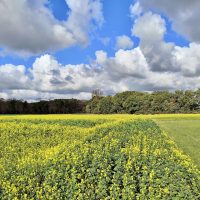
93 157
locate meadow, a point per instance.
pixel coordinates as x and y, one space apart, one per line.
186 134
99 157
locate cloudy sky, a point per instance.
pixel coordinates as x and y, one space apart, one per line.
66 48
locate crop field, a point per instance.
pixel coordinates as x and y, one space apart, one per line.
97 157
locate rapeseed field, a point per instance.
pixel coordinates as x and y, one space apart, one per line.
93 157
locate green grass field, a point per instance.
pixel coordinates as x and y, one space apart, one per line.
186 133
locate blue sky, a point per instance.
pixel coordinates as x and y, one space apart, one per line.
98 34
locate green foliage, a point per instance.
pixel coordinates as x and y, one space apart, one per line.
91 106
135 103
105 105
147 103
111 159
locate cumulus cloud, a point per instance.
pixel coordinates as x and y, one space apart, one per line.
184 15
126 70
24 33
188 59
151 28
49 78
171 67
13 77
123 42
129 63
161 55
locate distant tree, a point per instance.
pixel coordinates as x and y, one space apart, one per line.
118 102
3 106
134 103
92 105
105 105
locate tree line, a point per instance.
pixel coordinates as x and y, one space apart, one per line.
57 106
146 103
130 102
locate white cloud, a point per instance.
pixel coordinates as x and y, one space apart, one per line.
101 57
49 78
151 28
123 42
126 70
29 27
162 56
135 9
13 77
131 63
171 66
125 63
184 15
188 59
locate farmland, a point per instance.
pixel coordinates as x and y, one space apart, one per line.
97 157
186 133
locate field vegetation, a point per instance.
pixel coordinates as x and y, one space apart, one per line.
93 157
